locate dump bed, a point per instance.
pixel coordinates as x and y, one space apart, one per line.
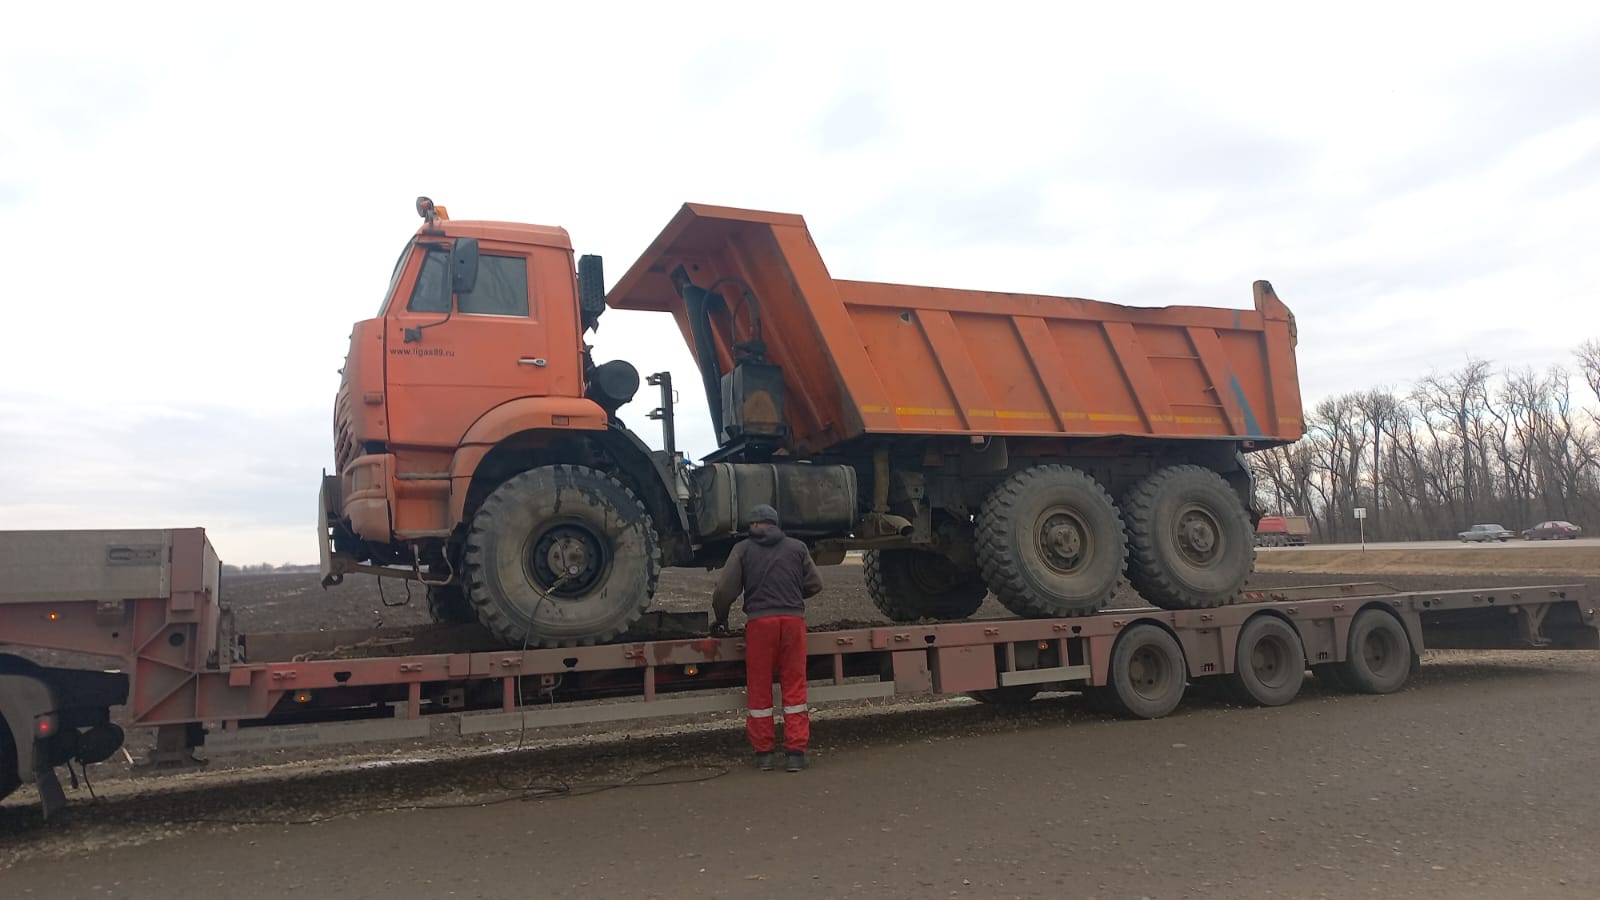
863 358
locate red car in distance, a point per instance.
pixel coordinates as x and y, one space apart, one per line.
1552 531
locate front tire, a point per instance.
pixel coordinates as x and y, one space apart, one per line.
1050 543
908 585
560 556
1189 539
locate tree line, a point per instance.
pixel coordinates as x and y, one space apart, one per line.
1514 447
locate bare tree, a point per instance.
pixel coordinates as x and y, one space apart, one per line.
1456 448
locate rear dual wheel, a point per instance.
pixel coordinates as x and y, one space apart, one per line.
1050 543
1190 542
908 585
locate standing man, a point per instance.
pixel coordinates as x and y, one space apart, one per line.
775 574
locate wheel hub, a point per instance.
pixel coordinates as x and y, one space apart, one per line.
1268 660
1147 671
1063 541
567 560
1199 536
567 557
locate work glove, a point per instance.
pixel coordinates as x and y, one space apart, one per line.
720 629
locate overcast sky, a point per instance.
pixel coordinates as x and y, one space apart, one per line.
196 202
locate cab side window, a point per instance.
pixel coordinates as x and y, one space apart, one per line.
502 288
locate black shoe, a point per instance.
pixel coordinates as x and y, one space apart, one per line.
797 761
764 762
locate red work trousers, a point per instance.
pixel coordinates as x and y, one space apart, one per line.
776 645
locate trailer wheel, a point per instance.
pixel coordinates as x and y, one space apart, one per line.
1148 673
1380 657
1270 665
1050 543
560 556
1010 695
1098 699
1190 542
907 585
1331 674
9 779
448 605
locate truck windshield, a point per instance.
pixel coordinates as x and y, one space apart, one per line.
394 278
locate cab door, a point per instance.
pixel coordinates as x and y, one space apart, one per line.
452 357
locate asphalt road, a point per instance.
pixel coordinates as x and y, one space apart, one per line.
1513 544
1476 781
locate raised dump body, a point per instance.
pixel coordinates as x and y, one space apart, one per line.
862 358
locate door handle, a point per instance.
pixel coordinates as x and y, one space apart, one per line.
536 361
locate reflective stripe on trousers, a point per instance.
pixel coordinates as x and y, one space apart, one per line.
775 649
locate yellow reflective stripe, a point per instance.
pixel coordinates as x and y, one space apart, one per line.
795 709
760 713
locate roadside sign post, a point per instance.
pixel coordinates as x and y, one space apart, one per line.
1361 520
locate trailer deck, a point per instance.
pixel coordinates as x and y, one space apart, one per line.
200 684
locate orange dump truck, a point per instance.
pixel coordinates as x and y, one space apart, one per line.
1041 448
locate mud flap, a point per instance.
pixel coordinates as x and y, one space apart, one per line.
52 799
327 501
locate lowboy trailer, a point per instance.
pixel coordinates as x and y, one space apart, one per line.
150 603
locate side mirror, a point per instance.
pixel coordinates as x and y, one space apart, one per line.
591 288
464 265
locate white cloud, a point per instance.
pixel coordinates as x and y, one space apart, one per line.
197 201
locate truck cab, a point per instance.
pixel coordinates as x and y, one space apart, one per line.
479 329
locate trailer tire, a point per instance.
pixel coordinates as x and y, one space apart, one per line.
1269 666
448 605
1379 656
1010 695
1332 675
907 585
9 779
1148 673
1190 541
1098 699
567 517
1050 543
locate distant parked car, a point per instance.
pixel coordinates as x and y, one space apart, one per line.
1481 533
1552 531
